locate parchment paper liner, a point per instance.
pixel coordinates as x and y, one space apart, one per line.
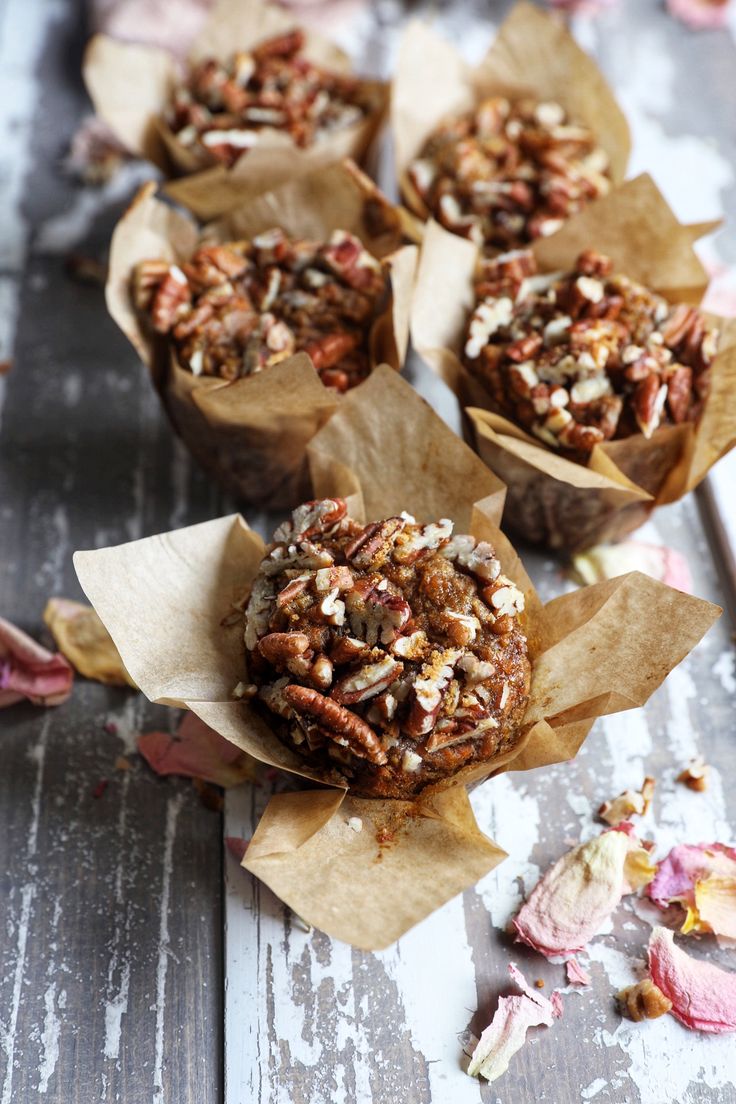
251 434
552 500
599 650
533 54
131 85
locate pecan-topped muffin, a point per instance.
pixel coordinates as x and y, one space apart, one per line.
392 654
238 307
586 356
220 110
509 172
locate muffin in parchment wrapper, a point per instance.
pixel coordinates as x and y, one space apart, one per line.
251 433
131 87
532 57
366 870
552 500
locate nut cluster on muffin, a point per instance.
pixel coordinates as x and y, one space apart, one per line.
221 109
586 356
390 655
239 307
509 171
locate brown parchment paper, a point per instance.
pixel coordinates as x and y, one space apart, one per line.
251 434
596 651
533 55
551 500
130 86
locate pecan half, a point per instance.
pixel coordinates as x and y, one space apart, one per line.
337 721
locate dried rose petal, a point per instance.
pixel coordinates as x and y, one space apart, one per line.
27 670
575 897
701 878
86 643
197 751
576 975
608 561
506 1033
237 847
699 15
703 997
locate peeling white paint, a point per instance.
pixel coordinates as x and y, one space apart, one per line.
173 808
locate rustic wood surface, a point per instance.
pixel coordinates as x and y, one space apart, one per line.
112 912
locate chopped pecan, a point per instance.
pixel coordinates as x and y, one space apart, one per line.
367 681
372 547
237 308
643 1001
585 356
221 108
509 171
170 300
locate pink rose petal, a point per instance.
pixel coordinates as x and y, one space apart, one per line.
27 670
197 751
701 878
506 1033
237 847
703 997
575 898
576 975
608 561
699 15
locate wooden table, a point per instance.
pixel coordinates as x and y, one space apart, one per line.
124 965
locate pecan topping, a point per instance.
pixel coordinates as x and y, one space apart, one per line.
220 110
237 308
509 172
337 721
393 645
586 356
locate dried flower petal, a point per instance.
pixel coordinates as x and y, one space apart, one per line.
608 561
506 1033
703 996
27 670
237 847
576 975
86 643
575 897
628 803
699 15
197 751
701 878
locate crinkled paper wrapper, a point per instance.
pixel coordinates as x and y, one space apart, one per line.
131 85
533 55
599 650
551 500
251 434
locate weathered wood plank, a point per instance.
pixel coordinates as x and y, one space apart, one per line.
110 957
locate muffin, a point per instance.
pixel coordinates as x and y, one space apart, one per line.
586 356
388 656
509 171
222 107
238 307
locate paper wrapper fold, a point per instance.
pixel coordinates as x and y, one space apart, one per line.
131 85
533 55
251 434
551 500
598 650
